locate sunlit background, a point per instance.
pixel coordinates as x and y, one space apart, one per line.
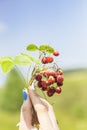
59 23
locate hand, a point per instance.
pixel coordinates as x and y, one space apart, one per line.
43 109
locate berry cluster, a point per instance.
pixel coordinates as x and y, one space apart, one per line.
50 80
49 59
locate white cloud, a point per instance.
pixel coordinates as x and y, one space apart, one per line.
3 27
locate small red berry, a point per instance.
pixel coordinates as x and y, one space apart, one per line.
44 60
48 83
44 88
58 90
59 78
49 72
49 59
44 83
39 84
51 91
46 73
56 53
51 79
38 77
60 83
60 72
53 73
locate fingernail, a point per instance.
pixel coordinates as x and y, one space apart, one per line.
25 94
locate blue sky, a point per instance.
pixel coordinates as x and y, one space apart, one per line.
59 23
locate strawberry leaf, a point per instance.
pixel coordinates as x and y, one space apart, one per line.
46 48
6 63
22 60
27 55
31 58
32 47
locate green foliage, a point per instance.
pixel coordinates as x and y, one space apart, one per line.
27 55
32 59
70 106
8 120
23 60
32 47
12 92
46 48
6 63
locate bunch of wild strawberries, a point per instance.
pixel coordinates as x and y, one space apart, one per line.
50 79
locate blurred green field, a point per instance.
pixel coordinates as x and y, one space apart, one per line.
8 121
70 106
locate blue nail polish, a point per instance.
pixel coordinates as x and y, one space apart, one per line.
25 94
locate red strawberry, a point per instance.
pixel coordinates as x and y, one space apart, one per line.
44 83
51 79
60 72
53 73
56 53
38 77
39 84
58 90
49 59
59 78
51 91
44 60
46 73
44 88
60 84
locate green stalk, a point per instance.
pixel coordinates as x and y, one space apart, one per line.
22 76
32 76
44 96
28 73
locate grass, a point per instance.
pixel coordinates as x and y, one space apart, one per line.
8 121
70 106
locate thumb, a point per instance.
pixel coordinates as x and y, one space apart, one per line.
26 112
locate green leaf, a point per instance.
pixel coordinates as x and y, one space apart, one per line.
32 47
22 60
31 58
27 55
46 48
37 61
7 63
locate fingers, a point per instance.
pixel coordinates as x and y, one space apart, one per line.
26 113
44 110
41 110
51 114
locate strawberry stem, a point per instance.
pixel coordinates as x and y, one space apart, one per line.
22 77
44 96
